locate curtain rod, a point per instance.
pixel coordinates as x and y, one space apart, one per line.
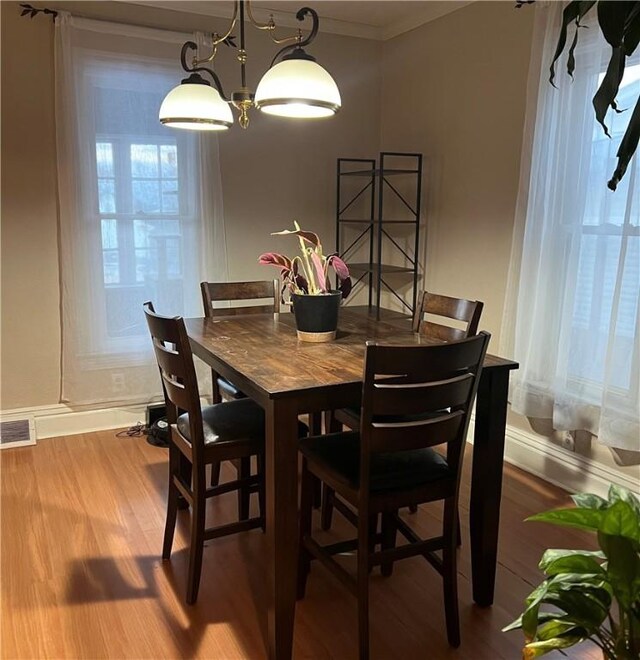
34 11
31 11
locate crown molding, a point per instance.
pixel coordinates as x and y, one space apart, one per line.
429 11
282 18
424 13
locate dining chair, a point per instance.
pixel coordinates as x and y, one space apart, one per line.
200 437
467 312
413 399
224 292
265 297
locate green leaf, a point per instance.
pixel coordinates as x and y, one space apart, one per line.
621 520
536 649
589 501
627 148
622 494
589 519
632 32
623 568
572 13
559 627
554 562
605 97
514 625
612 17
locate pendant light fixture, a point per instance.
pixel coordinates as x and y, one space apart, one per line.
294 86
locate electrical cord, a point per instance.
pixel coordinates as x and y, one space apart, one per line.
136 430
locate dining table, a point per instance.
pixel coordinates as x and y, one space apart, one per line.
262 356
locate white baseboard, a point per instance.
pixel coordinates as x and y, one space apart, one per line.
526 450
569 470
57 420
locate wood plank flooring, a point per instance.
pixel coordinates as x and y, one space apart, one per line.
81 532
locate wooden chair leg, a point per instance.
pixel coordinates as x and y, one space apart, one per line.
185 469
364 539
315 428
388 541
216 396
450 572
197 540
306 506
331 425
244 492
327 507
458 532
261 492
172 502
215 474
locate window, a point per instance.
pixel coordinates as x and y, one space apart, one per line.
609 262
143 207
140 206
576 322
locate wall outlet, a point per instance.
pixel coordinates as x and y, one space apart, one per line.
117 382
568 440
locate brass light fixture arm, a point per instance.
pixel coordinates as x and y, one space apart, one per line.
299 42
270 27
194 68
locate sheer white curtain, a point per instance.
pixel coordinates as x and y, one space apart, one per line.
571 316
140 206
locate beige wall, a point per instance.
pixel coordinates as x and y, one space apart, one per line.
30 296
454 89
273 173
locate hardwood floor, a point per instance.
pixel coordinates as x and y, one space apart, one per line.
82 520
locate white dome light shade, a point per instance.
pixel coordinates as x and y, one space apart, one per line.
197 107
298 88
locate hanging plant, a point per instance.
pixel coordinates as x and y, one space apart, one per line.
620 25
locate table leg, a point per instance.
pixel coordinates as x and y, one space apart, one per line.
282 524
486 480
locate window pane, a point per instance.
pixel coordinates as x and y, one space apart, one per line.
111 266
169 160
146 265
173 265
146 196
106 196
104 158
144 161
110 233
170 196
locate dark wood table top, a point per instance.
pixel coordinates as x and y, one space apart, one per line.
264 349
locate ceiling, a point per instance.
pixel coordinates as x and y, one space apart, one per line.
371 19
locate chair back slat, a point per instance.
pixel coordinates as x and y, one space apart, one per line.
441 332
459 309
177 372
419 396
427 362
410 398
230 291
409 435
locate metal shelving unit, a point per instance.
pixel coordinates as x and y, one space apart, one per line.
377 225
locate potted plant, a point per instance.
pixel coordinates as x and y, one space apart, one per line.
306 277
594 595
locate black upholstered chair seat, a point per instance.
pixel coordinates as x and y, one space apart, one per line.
229 390
340 453
230 421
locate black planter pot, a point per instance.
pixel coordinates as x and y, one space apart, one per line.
317 316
